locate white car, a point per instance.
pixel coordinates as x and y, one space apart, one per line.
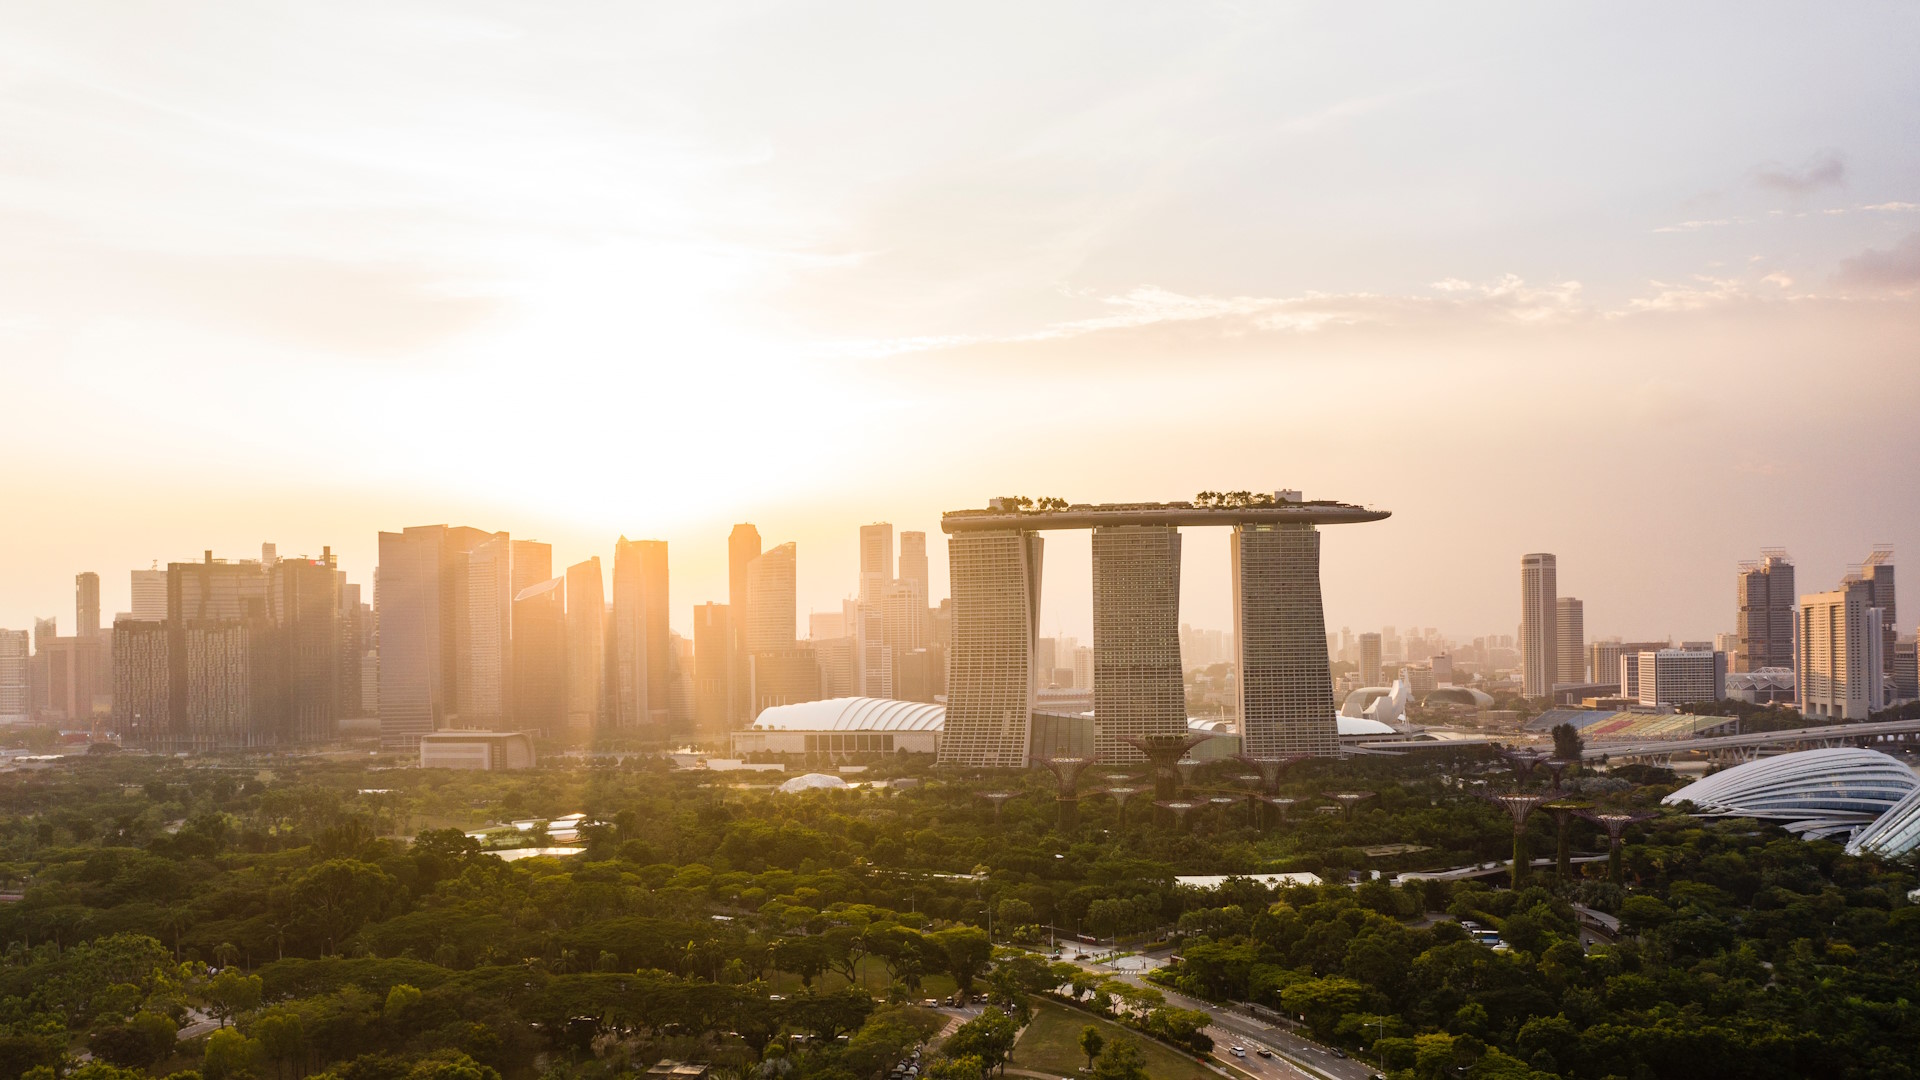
1239 1051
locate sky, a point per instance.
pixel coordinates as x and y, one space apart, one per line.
1636 284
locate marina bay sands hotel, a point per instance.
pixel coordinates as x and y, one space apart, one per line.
1285 689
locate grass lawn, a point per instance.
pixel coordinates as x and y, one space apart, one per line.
1052 1044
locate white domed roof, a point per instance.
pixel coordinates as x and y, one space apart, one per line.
812 781
1814 792
853 714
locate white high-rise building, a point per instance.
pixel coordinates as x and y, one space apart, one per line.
876 560
1570 635
1137 683
1285 688
149 595
1680 677
1838 673
995 576
1539 625
772 584
16 702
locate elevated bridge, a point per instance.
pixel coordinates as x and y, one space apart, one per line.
1883 735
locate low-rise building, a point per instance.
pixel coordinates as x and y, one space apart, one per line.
484 751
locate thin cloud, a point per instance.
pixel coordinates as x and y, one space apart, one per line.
1695 226
1897 267
1821 171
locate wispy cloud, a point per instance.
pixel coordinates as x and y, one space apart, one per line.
1897 267
1695 226
1820 171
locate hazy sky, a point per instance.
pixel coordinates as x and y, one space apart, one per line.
1635 284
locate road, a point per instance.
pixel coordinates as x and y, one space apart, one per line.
1295 1058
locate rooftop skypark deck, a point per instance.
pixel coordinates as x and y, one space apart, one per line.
1003 514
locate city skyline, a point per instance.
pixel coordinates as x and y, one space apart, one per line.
1428 230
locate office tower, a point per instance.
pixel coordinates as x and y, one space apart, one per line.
826 624
713 675
920 675
876 560
772 600
86 604
269 554
1877 572
913 560
419 609
1392 648
642 672
1765 619
903 622
1837 669
586 647
540 672
1082 666
873 660
356 646
1370 659
45 633
784 677
833 656
150 595
1539 623
1570 637
1443 669
215 590
486 671
1680 677
144 712
1285 689
532 564
1905 685
743 546
16 657
995 576
303 603
1137 685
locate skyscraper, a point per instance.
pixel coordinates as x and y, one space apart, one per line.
303 603
1877 572
1766 597
540 672
772 600
1285 687
743 546
150 595
586 648
876 560
86 604
1837 673
16 656
913 559
420 607
995 575
1539 625
642 653
1137 684
1570 635
714 652
1370 673
486 673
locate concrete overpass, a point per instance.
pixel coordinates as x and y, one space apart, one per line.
1883 735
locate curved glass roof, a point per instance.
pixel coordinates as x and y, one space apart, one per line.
1816 792
1894 833
853 714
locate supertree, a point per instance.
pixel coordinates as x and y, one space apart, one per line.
1557 768
1066 773
1164 752
1120 796
1523 763
1348 800
1280 803
1615 822
1270 768
999 800
1179 808
1563 813
1224 801
1520 805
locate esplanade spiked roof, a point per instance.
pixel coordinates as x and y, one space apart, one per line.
1096 515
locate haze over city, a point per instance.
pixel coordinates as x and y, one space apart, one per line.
278 276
